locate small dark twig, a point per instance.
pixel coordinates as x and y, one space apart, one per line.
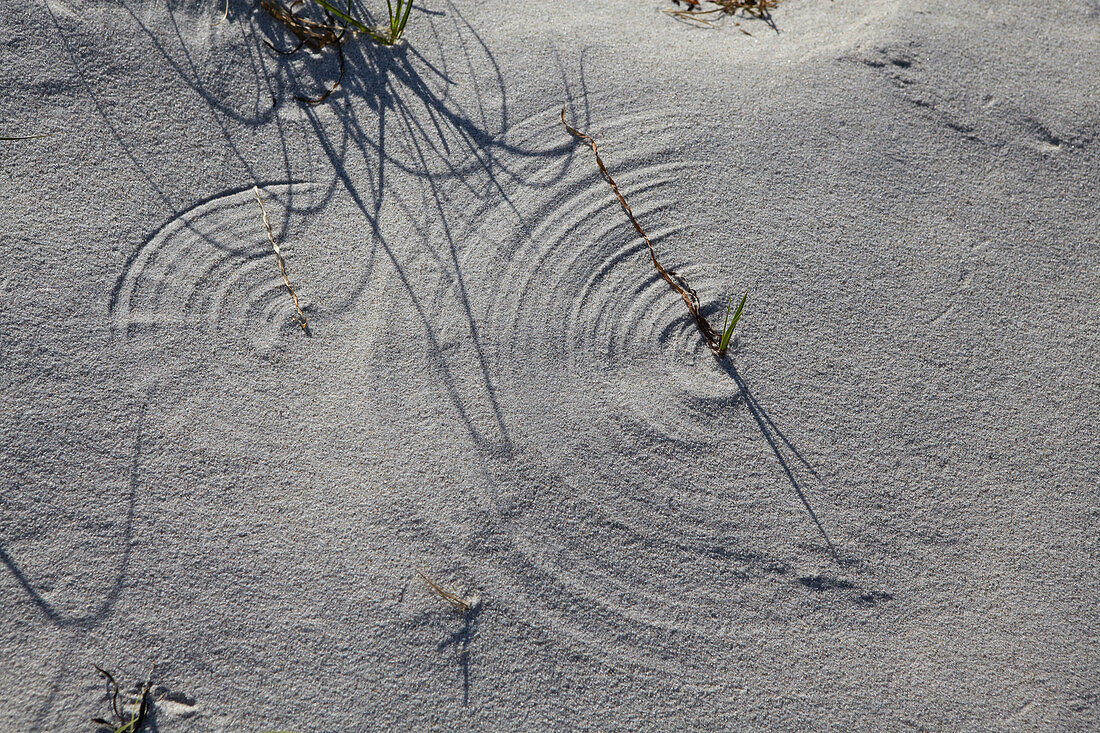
123 722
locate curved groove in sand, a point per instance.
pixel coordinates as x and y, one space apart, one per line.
609 394
211 269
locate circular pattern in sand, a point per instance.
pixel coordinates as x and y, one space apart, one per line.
621 532
212 269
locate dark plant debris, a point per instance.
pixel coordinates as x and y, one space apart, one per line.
310 33
716 342
706 12
317 35
122 721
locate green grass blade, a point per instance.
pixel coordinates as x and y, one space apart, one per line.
404 18
727 334
345 17
726 319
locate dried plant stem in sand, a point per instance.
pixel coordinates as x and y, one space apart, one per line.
309 33
697 11
123 721
279 259
716 342
457 602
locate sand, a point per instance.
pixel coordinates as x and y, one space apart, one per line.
498 391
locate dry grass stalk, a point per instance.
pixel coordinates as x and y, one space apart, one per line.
685 291
700 11
279 259
309 33
458 603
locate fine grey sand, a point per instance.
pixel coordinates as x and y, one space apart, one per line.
498 391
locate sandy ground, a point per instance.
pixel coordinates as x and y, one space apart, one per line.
498 391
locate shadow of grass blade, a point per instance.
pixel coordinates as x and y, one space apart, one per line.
727 333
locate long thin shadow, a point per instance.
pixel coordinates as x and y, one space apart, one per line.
460 640
418 128
106 606
775 439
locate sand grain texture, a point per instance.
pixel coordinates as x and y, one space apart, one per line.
500 392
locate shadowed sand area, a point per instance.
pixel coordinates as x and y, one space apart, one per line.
879 513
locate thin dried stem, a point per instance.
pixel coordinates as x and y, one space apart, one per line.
677 283
279 259
225 16
458 603
697 9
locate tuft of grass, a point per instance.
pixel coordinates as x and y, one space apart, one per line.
715 342
458 603
706 12
728 325
397 12
318 35
123 720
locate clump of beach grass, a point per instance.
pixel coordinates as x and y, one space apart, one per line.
125 717
718 343
707 12
317 35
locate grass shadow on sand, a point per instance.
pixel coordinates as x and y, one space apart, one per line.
778 441
172 55
400 110
103 612
92 619
460 640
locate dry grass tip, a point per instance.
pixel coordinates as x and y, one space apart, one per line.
279 259
459 604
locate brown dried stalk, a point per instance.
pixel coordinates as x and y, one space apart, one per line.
698 10
677 283
279 259
310 33
458 603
